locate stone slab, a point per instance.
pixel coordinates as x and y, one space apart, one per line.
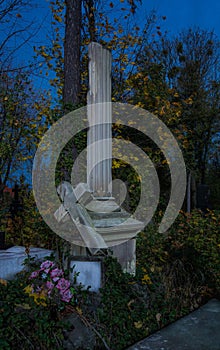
11 260
200 330
90 274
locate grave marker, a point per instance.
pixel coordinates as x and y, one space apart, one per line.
101 222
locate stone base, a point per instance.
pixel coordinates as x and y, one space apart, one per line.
90 272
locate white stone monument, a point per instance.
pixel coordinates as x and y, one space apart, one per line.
100 221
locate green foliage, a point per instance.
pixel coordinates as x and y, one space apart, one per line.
176 272
18 123
213 181
199 233
186 259
25 325
32 317
122 314
26 227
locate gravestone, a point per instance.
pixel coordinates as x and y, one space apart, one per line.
11 260
101 222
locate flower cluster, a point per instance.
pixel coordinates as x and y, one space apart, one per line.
49 282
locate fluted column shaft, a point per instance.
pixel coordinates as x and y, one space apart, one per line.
99 144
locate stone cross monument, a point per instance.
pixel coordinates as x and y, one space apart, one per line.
100 221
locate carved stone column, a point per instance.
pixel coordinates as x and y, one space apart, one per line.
99 144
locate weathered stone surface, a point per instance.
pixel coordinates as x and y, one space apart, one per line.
99 221
99 142
80 337
11 260
103 206
197 331
82 193
79 215
61 213
90 274
126 255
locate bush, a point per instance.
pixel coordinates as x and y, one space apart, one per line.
176 272
184 263
32 310
23 323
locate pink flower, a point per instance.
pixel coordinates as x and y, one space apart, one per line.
46 265
66 295
63 284
56 274
49 286
34 274
38 289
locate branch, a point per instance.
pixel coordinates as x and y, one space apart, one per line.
10 8
88 324
11 70
23 335
10 36
19 46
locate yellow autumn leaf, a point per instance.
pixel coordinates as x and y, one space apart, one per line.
39 301
140 104
44 54
146 279
138 324
58 18
40 298
3 282
28 289
79 311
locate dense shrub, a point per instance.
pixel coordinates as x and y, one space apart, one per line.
23 323
176 272
33 307
184 263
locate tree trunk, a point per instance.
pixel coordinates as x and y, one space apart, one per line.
89 6
72 44
72 80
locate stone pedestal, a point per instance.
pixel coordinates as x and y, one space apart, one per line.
101 222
